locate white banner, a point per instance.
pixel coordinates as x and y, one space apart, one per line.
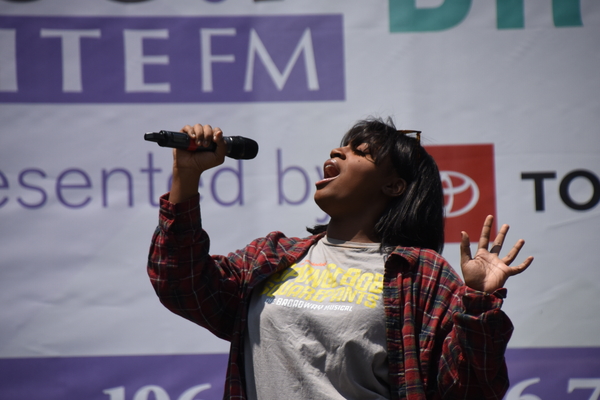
82 81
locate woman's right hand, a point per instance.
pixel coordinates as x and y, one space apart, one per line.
198 162
187 165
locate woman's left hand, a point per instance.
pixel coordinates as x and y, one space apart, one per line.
486 271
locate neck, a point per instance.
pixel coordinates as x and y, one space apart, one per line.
352 230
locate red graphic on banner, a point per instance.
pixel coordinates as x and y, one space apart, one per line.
467 173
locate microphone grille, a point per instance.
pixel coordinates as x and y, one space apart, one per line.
241 148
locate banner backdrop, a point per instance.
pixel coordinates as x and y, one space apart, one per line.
505 92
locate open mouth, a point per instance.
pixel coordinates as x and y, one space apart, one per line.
330 172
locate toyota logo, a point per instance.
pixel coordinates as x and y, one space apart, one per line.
455 183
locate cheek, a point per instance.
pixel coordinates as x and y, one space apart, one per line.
368 177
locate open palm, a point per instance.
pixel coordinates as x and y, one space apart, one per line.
486 271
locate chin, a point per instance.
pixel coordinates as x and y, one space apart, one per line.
326 204
318 198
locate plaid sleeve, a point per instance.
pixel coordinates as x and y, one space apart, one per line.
472 364
187 280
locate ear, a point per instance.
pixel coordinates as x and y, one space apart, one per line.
395 187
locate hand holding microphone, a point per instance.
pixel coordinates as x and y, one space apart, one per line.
238 147
204 147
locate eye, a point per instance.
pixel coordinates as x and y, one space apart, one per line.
361 150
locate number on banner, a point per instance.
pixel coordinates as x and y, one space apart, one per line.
582 383
159 393
516 391
117 393
193 391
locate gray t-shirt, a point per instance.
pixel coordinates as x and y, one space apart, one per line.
317 329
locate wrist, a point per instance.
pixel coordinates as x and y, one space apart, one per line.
184 186
476 302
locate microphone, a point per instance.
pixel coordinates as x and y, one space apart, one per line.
238 147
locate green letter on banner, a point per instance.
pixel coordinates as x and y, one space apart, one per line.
511 14
566 13
406 17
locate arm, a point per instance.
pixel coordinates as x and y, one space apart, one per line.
186 278
472 364
188 281
208 290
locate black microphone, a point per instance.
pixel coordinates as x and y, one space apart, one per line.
238 147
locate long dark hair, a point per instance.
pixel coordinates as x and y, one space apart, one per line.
415 218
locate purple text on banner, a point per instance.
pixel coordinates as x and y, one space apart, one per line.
544 374
171 59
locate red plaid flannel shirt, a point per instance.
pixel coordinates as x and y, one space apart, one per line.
445 341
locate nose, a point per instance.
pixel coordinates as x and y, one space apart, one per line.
338 152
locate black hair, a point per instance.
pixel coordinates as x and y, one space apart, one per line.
416 217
